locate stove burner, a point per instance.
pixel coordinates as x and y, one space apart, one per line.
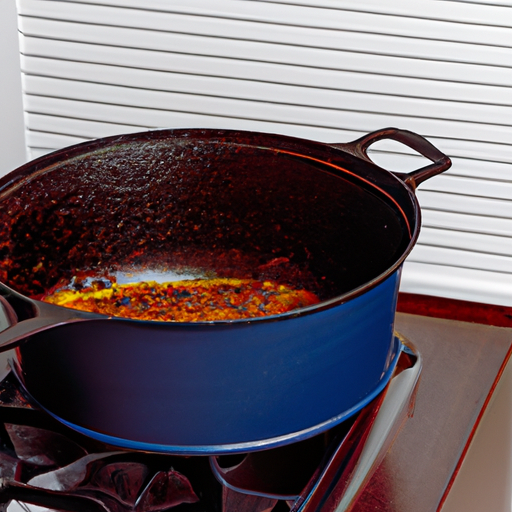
45 463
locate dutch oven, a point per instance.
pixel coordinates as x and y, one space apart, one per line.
224 203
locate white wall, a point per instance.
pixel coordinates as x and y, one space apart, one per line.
12 143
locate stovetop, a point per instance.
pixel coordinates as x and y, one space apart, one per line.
400 453
462 363
45 463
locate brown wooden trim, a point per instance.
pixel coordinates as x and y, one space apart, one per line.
452 309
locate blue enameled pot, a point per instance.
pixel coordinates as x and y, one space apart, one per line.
221 203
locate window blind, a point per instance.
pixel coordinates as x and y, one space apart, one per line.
329 70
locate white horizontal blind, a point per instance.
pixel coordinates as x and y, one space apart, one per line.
329 70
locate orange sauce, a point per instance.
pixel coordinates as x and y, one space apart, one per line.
186 301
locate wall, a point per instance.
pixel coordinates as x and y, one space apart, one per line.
12 142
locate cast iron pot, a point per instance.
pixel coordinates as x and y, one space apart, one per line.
227 203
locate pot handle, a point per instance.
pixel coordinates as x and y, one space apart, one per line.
441 162
38 316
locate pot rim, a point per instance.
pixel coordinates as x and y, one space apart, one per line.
356 150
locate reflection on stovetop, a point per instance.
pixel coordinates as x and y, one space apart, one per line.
45 464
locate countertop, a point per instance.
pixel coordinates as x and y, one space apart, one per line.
463 363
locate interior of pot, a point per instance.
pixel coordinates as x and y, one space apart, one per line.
190 206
